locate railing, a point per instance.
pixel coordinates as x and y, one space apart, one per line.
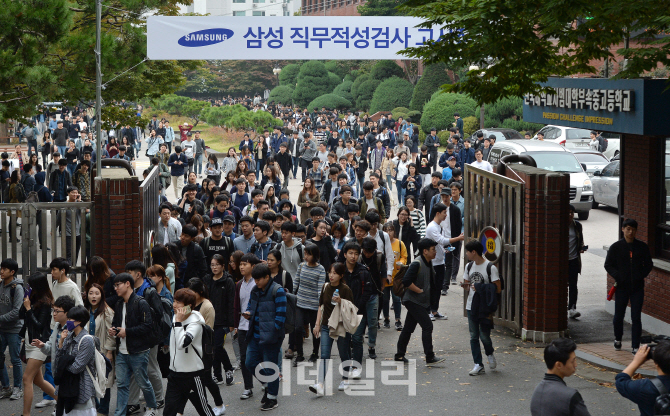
42 235
497 201
149 201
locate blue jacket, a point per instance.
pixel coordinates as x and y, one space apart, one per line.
177 170
466 156
250 145
42 191
641 392
276 141
443 159
268 315
28 183
261 250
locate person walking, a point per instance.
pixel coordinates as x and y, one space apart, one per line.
575 250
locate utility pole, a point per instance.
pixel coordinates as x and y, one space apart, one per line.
98 89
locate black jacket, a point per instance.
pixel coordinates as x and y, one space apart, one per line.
426 194
37 321
357 280
455 220
327 252
197 262
139 324
409 236
383 195
222 296
199 209
629 264
580 242
284 161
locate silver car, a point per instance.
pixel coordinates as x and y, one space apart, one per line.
606 185
591 160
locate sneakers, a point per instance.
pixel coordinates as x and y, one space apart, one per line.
318 389
434 360
444 292
401 358
573 314
356 374
372 353
160 404
218 411
492 361
17 393
617 345
288 354
298 359
313 358
230 377
247 394
270 404
453 282
133 409
45 403
634 351
5 392
477 370
432 318
344 384
150 412
237 366
218 380
439 316
398 326
387 323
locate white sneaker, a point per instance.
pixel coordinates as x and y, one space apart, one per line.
150 412
344 384
477 370
439 316
318 389
492 362
45 403
432 318
17 393
573 314
218 411
356 374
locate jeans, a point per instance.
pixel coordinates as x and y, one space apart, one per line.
401 192
32 143
303 317
50 379
61 150
155 378
416 314
370 321
257 355
621 299
573 275
296 163
198 164
45 160
169 146
343 347
102 405
220 354
436 290
389 182
71 167
479 332
388 295
246 374
132 365
13 341
305 167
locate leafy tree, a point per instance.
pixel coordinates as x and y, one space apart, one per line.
289 75
386 69
521 43
220 116
334 80
282 94
349 77
181 106
357 83
344 90
439 111
380 8
230 77
249 120
470 125
434 76
118 115
391 93
365 92
313 81
193 110
330 101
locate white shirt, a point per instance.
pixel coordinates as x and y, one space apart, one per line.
478 275
123 349
176 223
387 249
189 148
482 165
245 295
446 225
371 204
437 233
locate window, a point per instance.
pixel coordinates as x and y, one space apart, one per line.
287 13
609 170
259 1
239 1
238 13
258 14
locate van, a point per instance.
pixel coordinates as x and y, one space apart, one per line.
554 157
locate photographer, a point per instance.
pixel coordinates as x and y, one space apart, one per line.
643 392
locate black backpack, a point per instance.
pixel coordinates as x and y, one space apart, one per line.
207 356
662 406
488 272
291 308
161 314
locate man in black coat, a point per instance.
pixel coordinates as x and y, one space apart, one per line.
575 250
192 252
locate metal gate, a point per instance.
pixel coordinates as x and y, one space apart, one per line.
497 201
149 201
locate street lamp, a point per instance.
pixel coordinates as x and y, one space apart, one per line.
276 70
481 108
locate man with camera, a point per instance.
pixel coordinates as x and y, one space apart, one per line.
644 392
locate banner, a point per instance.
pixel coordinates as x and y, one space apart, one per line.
290 37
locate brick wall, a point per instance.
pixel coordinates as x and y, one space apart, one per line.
117 221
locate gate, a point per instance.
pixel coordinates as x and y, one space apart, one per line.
41 235
497 201
149 201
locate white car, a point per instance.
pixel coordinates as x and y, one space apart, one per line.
560 134
606 185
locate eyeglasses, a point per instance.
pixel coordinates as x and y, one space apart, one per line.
117 285
56 311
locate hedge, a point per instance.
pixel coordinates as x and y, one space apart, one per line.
334 80
439 111
434 76
386 69
357 83
282 94
313 81
289 75
365 92
330 101
391 93
344 90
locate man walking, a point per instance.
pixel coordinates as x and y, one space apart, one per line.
177 164
10 325
575 250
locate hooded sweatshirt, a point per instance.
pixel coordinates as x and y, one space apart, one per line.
42 191
291 256
10 306
186 344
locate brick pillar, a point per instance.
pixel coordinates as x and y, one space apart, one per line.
117 221
545 258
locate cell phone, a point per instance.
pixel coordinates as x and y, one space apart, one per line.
186 309
585 248
27 293
117 330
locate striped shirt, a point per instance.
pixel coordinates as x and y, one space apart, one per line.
419 222
307 285
280 312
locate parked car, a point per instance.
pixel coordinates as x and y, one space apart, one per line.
613 144
553 157
591 160
501 134
606 185
560 134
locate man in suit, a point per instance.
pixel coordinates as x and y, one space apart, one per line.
294 146
247 142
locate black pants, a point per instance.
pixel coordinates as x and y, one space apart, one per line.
303 317
620 304
305 165
436 289
189 170
416 314
246 373
182 387
573 275
220 353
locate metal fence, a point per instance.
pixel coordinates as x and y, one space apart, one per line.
497 201
149 201
35 233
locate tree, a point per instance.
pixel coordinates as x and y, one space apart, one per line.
193 110
380 8
289 75
313 81
220 116
357 83
365 92
230 77
330 101
257 121
181 106
386 69
344 90
521 43
391 93
333 80
439 111
434 76
282 94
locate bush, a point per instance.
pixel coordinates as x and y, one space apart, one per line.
344 90
386 69
313 81
503 109
349 77
470 125
520 125
443 136
330 101
334 80
357 83
439 111
434 76
422 134
391 93
220 116
365 92
249 120
282 94
289 75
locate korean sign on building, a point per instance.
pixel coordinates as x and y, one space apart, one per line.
601 104
239 37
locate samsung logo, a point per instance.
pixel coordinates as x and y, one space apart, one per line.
205 37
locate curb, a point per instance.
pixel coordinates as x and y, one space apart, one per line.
601 362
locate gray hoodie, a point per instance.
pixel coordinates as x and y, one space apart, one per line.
290 257
9 306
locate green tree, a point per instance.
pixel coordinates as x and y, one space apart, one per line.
289 75
330 101
391 93
334 80
357 83
344 90
220 116
282 94
434 76
313 81
380 8
521 43
386 69
439 111
365 92
249 120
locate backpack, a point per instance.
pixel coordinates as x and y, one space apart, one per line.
207 346
291 308
102 368
20 192
398 286
161 314
380 260
662 406
488 272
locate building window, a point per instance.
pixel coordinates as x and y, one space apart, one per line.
663 227
239 1
259 1
258 14
287 13
238 13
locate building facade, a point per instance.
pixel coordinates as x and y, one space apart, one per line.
243 7
331 7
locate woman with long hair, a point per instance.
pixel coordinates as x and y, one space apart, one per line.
405 230
411 183
113 146
157 275
228 184
261 153
130 149
269 194
210 202
160 255
234 265
47 147
36 314
321 239
213 169
270 177
180 263
402 165
414 149
99 272
204 189
307 199
388 168
33 160
199 223
98 326
416 215
229 162
339 233
241 168
308 282
341 148
248 158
